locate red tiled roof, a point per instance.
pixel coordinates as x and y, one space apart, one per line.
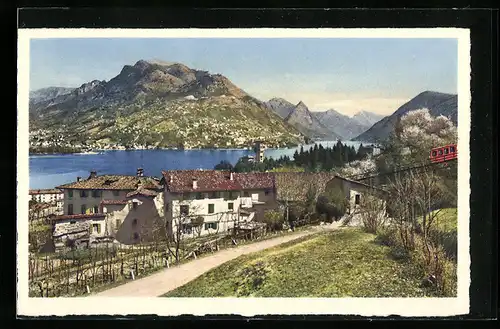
46 191
255 180
114 202
113 182
79 216
142 191
207 180
293 186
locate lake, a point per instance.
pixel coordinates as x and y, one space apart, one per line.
48 171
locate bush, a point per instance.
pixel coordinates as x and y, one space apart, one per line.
274 220
387 236
372 213
447 240
437 268
328 209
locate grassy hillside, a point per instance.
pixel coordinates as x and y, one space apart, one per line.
445 230
344 263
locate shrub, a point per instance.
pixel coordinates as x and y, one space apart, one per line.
372 213
330 210
387 236
274 220
437 268
447 240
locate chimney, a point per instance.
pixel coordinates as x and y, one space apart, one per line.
195 183
231 177
140 172
93 174
78 179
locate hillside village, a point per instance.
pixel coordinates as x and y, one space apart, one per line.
105 228
212 113
187 213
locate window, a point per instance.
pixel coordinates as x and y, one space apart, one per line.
83 194
434 153
446 151
116 193
184 210
357 199
96 209
134 205
440 152
230 195
166 207
199 196
136 236
230 206
266 192
96 194
70 194
83 208
70 209
452 149
214 195
134 222
245 194
73 222
96 228
118 222
211 208
212 226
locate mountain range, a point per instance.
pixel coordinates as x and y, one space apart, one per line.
158 104
347 127
437 103
165 104
328 124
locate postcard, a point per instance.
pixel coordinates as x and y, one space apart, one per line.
243 171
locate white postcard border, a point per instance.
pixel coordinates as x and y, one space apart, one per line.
245 306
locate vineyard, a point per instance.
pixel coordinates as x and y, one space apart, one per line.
84 271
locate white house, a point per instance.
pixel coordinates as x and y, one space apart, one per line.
216 196
118 206
51 196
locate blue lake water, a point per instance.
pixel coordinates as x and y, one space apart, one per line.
47 171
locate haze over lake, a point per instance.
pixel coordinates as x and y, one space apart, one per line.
48 171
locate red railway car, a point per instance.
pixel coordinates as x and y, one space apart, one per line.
443 153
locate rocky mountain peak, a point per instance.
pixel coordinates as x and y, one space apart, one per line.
301 105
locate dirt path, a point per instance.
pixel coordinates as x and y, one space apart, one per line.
166 280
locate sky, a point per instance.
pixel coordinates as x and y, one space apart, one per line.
345 74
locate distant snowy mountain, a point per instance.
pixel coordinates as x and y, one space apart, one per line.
341 124
366 118
308 124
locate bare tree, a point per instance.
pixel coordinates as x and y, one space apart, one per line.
402 192
372 212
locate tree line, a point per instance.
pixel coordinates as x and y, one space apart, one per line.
317 158
320 158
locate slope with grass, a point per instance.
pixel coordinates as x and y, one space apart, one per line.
444 231
344 263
